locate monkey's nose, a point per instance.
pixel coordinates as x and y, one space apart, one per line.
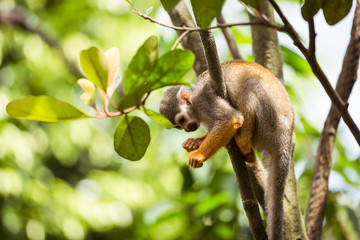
192 126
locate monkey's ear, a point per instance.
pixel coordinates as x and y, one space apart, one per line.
184 96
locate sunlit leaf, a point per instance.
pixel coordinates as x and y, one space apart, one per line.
131 138
336 10
88 96
44 109
170 68
310 8
157 117
169 4
206 10
95 67
253 3
141 64
112 57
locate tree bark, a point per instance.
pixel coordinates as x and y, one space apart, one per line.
320 180
180 16
266 51
265 43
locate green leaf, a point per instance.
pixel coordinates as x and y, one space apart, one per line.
44 109
94 65
336 10
157 117
253 3
141 64
131 138
298 63
170 68
169 4
310 8
88 97
206 10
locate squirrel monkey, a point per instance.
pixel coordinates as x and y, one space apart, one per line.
258 114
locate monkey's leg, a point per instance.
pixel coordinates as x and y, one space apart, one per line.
243 140
218 137
192 144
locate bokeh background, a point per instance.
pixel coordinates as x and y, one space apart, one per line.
65 181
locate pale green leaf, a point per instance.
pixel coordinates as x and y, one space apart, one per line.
88 97
157 117
44 109
95 66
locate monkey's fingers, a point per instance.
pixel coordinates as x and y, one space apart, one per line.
191 144
193 163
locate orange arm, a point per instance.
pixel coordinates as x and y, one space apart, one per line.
215 139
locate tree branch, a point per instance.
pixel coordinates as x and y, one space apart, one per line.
237 158
320 181
229 37
311 58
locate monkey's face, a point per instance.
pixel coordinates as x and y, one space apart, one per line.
186 120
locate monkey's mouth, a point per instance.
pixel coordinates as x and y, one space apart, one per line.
193 126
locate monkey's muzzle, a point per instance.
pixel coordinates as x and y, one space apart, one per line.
192 126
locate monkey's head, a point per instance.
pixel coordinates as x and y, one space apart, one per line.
176 105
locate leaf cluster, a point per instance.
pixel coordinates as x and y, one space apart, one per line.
145 73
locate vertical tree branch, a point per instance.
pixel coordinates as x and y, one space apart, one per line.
229 37
266 51
237 158
320 181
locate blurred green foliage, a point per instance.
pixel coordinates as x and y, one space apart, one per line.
65 181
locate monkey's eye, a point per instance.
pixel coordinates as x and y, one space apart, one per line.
182 120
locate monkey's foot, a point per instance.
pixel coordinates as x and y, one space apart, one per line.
192 144
196 159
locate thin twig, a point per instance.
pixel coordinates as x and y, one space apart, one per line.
179 39
192 29
312 35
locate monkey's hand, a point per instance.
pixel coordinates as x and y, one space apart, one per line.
192 144
196 159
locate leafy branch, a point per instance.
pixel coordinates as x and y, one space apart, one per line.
146 72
